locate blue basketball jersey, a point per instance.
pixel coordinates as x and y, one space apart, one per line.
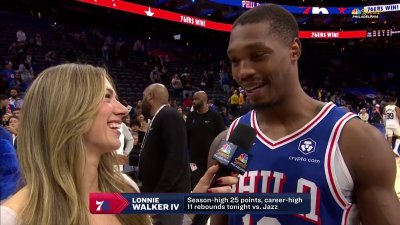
301 162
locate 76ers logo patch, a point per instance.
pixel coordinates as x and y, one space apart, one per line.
307 146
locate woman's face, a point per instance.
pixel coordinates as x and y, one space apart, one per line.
140 118
104 134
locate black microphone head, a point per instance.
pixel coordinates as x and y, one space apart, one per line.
243 136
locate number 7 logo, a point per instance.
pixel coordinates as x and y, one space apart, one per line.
99 205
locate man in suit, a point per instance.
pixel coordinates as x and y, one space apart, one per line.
164 161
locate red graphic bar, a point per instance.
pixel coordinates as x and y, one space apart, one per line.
159 13
333 34
194 21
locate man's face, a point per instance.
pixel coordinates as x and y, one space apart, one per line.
197 102
261 63
14 93
16 113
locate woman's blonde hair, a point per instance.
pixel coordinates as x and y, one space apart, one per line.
59 108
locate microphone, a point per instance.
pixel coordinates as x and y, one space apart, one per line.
232 155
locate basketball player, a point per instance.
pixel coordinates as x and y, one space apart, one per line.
392 117
303 145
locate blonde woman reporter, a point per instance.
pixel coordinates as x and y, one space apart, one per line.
67 135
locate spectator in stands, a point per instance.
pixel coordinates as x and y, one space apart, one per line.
30 58
164 76
8 74
13 122
363 115
138 47
187 102
15 99
26 73
173 103
143 123
159 61
17 82
376 118
126 146
187 84
155 76
38 39
234 103
21 50
226 116
241 98
224 81
126 119
16 112
212 106
138 108
204 79
5 118
106 51
13 48
176 84
135 127
5 105
21 37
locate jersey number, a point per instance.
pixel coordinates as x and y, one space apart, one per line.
303 186
390 116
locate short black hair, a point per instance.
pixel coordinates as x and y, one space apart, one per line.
14 88
135 122
281 21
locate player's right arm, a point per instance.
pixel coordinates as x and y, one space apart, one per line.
397 112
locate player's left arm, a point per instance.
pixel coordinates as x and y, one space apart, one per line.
373 168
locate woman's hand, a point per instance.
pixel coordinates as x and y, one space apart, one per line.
203 186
